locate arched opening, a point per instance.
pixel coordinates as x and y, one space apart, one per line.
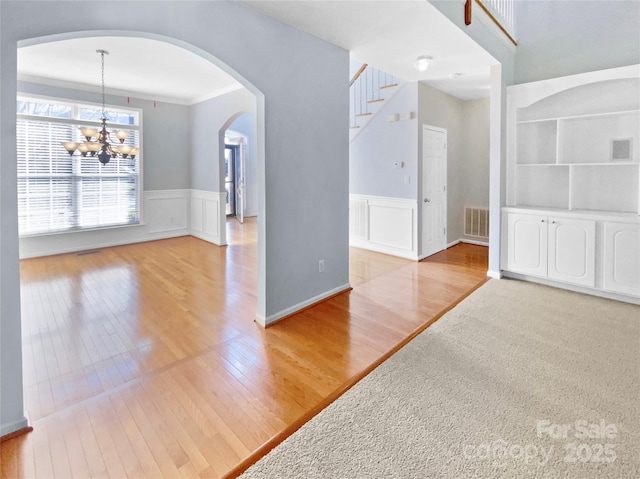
167 205
239 165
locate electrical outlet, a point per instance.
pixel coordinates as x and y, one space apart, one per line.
321 266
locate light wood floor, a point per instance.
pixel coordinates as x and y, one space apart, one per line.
144 360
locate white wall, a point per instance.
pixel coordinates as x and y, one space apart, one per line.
564 38
308 173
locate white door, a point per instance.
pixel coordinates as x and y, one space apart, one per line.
572 251
434 190
527 244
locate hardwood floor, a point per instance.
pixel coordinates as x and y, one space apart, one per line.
144 360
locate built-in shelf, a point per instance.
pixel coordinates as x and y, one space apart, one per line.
573 183
578 148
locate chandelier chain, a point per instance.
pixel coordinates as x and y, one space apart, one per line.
104 109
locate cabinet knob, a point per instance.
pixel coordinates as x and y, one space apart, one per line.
427 200
553 222
541 221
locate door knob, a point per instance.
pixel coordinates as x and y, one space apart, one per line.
427 200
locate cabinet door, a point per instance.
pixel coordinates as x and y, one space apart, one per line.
527 244
622 258
572 250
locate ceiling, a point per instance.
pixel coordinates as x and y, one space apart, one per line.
139 67
388 35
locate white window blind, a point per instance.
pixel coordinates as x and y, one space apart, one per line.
58 192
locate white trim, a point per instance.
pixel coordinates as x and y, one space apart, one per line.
573 287
125 93
400 239
260 319
469 241
476 242
494 274
453 243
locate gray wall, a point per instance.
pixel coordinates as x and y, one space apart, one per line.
381 143
559 38
209 120
436 108
474 167
166 146
303 152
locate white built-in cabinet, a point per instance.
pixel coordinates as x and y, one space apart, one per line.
558 248
573 181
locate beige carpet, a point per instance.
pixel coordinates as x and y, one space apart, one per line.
518 380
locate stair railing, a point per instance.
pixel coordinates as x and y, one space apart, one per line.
364 89
501 12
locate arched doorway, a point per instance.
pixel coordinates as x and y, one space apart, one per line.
16 370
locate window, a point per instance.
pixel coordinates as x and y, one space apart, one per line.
58 192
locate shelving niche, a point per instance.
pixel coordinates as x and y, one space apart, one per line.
578 148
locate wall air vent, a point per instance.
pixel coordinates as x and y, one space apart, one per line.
621 150
476 222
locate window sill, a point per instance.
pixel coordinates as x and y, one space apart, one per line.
81 230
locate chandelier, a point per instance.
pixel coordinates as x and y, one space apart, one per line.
98 142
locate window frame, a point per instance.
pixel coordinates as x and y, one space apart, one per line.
76 105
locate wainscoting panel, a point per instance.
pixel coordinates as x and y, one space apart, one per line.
212 217
166 210
164 215
358 218
196 215
384 224
207 215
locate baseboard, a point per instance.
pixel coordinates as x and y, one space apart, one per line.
107 244
573 287
494 274
363 244
207 237
13 429
296 308
476 242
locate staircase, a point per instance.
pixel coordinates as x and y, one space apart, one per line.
368 90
